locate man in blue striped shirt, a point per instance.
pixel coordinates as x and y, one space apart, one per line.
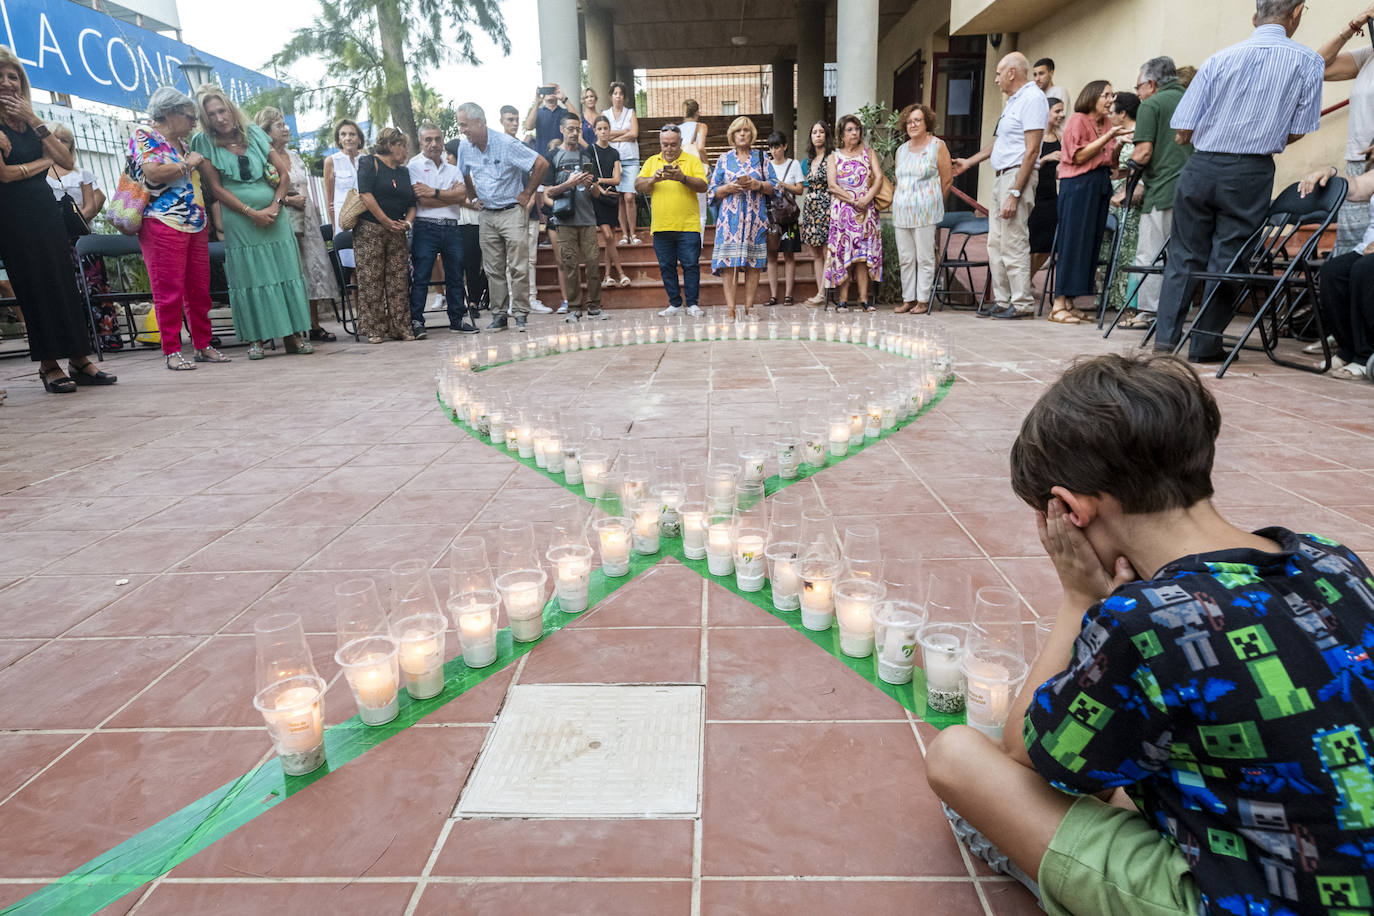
1245 104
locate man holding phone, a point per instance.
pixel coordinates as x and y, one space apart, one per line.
673 179
570 194
545 117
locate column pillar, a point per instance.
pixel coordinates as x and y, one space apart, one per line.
810 70
600 52
559 55
625 73
856 56
783 118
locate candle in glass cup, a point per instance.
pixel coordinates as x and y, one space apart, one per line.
873 421
813 447
512 439
493 355
294 712
614 537
856 426
942 653
572 467
830 330
871 337
573 566
753 463
537 439
772 329
496 420
647 512
524 440
422 654
813 331
720 557
670 514
531 348
796 330
991 684
721 491
370 668
839 437
843 334
593 474
753 329
749 560
523 594
818 593
694 530
788 459
598 338
889 408
782 574
553 453
698 332
476 633
854 603
653 333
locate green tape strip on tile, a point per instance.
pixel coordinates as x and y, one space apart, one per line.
158 849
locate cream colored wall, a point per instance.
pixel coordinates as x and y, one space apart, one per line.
1110 39
923 28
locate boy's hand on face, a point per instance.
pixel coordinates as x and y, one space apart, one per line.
1084 578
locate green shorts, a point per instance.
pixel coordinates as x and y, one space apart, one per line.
1105 859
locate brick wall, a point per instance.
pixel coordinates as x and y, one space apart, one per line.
750 88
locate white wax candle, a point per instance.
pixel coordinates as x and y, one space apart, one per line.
872 337
523 601
814 451
942 654
753 330
856 625
839 438
615 551
553 454
698 332
989 693
541 457
844 333
718 538
873 423
796 331
592 472
830 330
856 428
498 429
562 343
375 688
772 330
749 564
572 468
889 416
624 337
813 331
493 354
477 636
646 529
787 460
753 464
571 584
818 595
512 438
298 724
694 534
524 440
598 338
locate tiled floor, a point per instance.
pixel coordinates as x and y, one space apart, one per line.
143 528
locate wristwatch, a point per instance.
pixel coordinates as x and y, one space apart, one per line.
436 193
1015 193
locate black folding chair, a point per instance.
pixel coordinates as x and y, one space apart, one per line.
110 248
347 318
960 230
1115 224
1144 271
1277 282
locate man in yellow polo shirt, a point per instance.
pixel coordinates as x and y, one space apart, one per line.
673 179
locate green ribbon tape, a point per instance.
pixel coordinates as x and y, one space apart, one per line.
158 849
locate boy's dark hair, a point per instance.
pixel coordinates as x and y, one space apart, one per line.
1046 62
1142 429
509 109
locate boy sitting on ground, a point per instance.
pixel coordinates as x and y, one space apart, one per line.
1221 678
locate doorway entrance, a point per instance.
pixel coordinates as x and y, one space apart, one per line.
957 91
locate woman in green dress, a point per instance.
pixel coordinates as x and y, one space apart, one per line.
249 179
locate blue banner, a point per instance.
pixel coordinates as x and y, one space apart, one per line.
69 48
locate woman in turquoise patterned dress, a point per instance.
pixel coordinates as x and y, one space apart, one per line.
855 240
266 287
815 208
1122 114
924 176
742 182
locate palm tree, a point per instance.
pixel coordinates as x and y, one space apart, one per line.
366 46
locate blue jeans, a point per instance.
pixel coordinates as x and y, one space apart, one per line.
430 240
672 249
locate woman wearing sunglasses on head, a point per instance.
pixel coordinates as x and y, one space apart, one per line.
249 179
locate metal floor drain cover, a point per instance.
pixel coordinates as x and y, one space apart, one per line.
591 750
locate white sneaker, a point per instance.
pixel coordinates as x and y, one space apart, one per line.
540 308
563 308
671 310
695 312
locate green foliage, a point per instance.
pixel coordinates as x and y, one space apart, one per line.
890 289
883 134
354 40
430 107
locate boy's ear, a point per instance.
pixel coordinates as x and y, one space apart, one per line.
1083 509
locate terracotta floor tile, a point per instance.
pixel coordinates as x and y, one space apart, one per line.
874 898
11 650
726 609
269 480
936 536
220 510
227 899
615 656
668 595
1003 534
137 551
313 456
309 507
180 604
775 673
478 704
260 549
601 898
1009 898
819 799
375 479
411 782
379 546
405 507
50 605
25 754
22 553
54 824
95 677
573 848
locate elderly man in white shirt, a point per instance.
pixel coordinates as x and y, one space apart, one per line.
438 192
1013 153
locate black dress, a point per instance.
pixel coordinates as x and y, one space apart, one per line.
1045 216
38 257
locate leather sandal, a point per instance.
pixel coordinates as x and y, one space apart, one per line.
1064 316
60 384
322 334
211 355
88 379
902 309
178 363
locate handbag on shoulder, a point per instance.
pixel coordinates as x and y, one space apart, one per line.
130 199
